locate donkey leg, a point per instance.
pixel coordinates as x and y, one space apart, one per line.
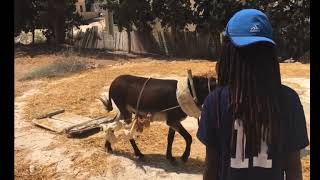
110 136
169 146
187 137
125 114
107 146
137 152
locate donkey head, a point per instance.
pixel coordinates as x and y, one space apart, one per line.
203 86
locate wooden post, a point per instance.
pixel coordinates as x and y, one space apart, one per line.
33 35
106 20
129 41
72 34
110 16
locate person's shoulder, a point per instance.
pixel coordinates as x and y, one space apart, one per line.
219 91
289 93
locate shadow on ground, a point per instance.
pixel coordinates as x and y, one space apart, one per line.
192 166
304 152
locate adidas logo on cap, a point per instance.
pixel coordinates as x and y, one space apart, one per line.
255 29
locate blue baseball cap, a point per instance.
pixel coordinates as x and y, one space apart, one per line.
249 26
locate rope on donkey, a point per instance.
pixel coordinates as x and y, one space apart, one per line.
137 107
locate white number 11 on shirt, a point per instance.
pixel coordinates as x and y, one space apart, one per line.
258 161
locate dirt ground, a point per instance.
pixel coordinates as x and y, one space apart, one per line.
40 154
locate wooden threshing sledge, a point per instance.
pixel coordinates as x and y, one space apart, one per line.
70 124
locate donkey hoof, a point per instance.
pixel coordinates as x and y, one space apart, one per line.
171 159
139 157
184 158
109 150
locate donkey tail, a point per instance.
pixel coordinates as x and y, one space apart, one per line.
107 103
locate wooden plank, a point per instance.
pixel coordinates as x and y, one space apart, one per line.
87 128
58 111
52 124
84 132
71 118
85 39
58 123
88 123
88 36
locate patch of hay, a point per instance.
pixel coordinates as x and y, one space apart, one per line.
24 170
295 70
78 94
306 167
63 66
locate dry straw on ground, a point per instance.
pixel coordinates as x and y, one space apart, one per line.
78 93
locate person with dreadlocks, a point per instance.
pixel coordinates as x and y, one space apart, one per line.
253 127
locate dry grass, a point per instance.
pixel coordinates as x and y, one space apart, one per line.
22 170
295 70
306 167
78 94
65 65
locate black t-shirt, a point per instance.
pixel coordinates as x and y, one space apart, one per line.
268 164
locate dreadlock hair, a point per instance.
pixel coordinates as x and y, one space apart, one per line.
252 74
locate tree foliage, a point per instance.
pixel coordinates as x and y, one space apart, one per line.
88 4
213 15
290 20
173 13
131 14
27 16
55 16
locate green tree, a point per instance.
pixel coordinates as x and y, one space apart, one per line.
130 15
213 15
27 16
173 13
290 20
61 16
56 16
88 4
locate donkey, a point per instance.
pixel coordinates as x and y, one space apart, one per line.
158 95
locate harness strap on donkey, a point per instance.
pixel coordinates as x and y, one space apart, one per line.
137 106
140 94
138 103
